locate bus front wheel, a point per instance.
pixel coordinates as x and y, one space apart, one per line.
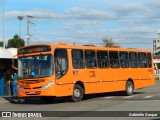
129 88
77 93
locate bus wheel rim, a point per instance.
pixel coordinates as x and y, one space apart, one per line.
77 93
130 88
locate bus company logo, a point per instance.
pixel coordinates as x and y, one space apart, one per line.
6 114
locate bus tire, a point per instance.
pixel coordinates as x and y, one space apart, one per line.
78 93
129 88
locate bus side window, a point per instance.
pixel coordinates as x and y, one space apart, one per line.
114 61
142 61
77 59
149 60
102 58
90 59
112 64
133 60
124 60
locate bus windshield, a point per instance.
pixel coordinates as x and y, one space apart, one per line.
35 66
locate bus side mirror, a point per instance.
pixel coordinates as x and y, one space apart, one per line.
13 66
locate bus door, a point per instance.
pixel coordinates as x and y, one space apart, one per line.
61 64
90 60
92 81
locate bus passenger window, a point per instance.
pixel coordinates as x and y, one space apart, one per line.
142 61
90 59
77 59
124 60
112 64
114 61
102 58
149 60
133 60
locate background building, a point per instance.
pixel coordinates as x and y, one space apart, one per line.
156 46
6 70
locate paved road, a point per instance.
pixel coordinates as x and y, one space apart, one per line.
147 99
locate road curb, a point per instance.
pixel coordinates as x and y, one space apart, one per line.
2 100
5 99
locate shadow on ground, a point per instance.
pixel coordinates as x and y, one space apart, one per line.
37 100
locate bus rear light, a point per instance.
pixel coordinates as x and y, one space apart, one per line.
48 85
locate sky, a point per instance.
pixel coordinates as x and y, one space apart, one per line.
129 23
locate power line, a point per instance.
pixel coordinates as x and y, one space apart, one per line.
95 37
113 18
147 42
98 44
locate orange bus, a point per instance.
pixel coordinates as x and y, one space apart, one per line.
55 70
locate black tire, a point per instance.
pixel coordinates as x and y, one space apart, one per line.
47 99
129 88
78 93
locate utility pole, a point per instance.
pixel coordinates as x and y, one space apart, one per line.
28 23
20 18
110 40
3 24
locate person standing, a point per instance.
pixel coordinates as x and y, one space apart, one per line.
14 84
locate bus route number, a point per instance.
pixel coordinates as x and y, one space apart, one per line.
92 74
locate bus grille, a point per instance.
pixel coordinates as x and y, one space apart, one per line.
33 88
32 81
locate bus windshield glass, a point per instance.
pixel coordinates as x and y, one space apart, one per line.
35 66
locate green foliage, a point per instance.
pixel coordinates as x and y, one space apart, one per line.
156 56
109 43
1 44
15 42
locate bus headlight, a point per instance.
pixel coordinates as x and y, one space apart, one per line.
48 85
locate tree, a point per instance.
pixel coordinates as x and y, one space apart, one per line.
109 43
1 44
156 56
15 42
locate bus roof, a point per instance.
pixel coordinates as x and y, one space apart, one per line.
89 47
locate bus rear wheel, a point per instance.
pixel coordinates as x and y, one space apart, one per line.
77 93
129 88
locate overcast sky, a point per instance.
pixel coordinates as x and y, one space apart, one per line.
130 23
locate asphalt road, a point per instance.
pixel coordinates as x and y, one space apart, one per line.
146 100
